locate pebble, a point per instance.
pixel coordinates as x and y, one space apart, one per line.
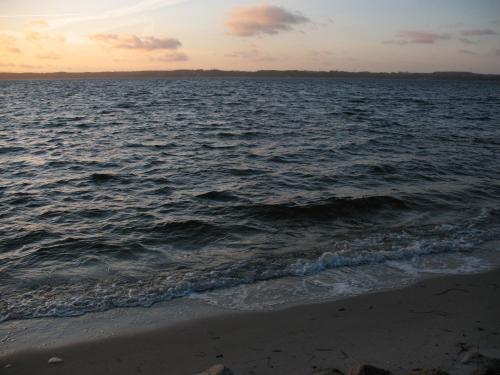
55 361
218 369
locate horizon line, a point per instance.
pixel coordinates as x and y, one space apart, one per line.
262 73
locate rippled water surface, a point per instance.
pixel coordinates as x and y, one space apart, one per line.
129 192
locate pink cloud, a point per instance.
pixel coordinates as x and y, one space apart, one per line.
148 43
173 57
262 19
417 37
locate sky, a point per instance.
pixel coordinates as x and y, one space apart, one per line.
353 35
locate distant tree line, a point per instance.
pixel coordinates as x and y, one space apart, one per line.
277 74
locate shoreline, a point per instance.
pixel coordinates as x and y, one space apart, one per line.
429 324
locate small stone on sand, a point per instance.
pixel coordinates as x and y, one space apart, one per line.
55 361
472 357
431 371
218 369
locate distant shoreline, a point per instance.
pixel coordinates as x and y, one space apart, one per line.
269 74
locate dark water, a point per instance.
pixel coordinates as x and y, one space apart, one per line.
126 193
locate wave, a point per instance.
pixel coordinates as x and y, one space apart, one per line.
222 196
327 209
9 149
103 177
191 232
90 296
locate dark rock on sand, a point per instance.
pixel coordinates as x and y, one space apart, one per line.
328 371
486 371
488 366
431 371
218 369
368 370
473 357
480 359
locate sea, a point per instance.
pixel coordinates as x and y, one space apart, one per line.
248 194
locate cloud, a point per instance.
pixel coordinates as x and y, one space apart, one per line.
61 20
252 54
467 52
467 41
262 19
452 25
148 43
39 23
172 57
29 66
395 41
13 49
421 37
24 66
417 37
35 36
8 43
478 32
48 56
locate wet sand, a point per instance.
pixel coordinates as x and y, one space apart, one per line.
430 324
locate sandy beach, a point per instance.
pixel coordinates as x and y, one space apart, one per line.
431 324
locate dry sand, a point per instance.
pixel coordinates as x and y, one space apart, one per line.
430 324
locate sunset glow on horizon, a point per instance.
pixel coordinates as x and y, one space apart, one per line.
355 35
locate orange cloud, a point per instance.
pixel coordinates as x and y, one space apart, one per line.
262 19
13 50
35 36
8 43
134 42
48 56
39 24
